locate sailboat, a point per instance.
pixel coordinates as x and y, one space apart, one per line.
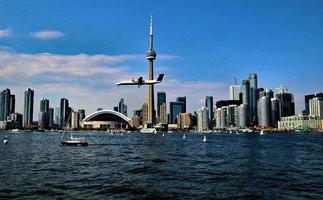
5 141
184 136
73 141
204 139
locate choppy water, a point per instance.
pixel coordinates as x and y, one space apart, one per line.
137 166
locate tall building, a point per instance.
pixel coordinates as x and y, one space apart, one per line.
81 114
64 113
51 117
253 97
44 114
145 113
264 112
183 100
202 120
316 107
184 121
286 104
243 115
307 98
232 116
175 108
4 104
151 56
274 111
75 120
209 106
28 107
12 103
235 91
123 109
218 118
163 118
161 99
57 117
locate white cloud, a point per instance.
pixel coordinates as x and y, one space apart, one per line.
47 35
88 81
5 33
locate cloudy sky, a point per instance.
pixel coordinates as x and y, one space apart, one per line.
79 50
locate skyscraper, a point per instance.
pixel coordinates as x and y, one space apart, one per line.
57 117
183 100
174 109
235 91
44 114
123 109
151 56
4 104
202 120
51 118
145 113
316 107
264 111
163 114
209 106
245 90
81 114
253 97
307 98
64 113
274 111
28 107
286 104
161 98
12 103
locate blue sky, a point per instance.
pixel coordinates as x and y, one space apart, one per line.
200 45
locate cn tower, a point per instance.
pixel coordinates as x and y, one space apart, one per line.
151 56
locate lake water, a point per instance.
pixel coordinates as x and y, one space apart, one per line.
142 166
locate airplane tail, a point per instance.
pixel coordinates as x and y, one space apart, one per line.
160 77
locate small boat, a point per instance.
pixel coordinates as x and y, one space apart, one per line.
204 139
262 132
5 141
74 141
145 129
163 135
184 136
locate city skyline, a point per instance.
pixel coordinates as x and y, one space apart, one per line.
60 59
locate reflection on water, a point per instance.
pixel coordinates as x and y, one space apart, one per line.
128 166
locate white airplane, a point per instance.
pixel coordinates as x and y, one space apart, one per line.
140 81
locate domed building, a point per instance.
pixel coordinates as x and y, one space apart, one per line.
106 119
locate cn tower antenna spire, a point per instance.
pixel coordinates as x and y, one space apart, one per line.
151 25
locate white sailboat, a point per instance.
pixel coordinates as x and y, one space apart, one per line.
73 141
5 141
204 139
145 129
184 136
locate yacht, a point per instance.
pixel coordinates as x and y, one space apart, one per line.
145 129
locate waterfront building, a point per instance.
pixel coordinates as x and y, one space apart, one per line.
81 114
183 100
14 121
161 99
175 108
264 112
224 117
232 116
43 119
145 113
75 121
316 107
253 97
235 91
51 117
57 117
274 111
202 120
163 118
286 103
300 123
218 118
307 98
184 121
243 115
106 119
151 56
28 108
64 113
209 106
12 104
4 104
136 121
123 107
